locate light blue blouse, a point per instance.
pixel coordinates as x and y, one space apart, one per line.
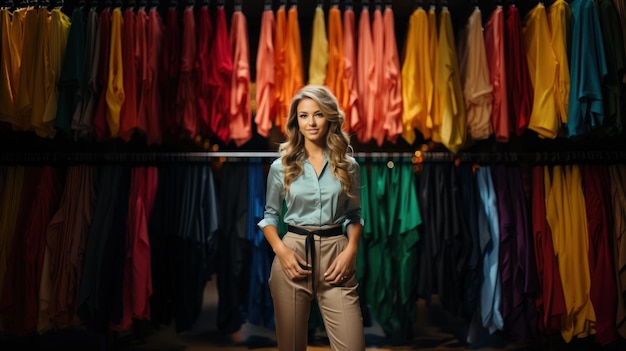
312 200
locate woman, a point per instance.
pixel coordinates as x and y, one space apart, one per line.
319 184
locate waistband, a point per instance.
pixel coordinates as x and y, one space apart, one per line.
309 243
333 231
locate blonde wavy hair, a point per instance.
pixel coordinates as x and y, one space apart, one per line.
337 140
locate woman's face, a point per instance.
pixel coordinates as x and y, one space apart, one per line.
312 124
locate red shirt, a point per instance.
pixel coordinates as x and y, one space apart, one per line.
520 90
99 120
220 78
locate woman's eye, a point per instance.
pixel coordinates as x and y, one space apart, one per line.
319 115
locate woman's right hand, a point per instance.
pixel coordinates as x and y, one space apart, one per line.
294 266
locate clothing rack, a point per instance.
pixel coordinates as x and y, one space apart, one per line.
542 157
133 158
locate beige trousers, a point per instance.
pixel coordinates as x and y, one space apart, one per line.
338 304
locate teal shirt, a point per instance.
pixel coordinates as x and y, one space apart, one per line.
312 201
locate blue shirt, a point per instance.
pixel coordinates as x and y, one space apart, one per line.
312 200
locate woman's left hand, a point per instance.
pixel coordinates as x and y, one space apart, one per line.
342 267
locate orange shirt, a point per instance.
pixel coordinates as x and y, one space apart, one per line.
335 74
295 76
350 72
280 66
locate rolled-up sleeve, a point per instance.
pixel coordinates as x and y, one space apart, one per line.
353 208
274 196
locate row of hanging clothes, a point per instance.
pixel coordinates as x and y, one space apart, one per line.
530 249
102 70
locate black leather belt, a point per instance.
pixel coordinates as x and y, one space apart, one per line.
309 244
334 231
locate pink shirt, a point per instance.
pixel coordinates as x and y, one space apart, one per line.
365 79
265 77
240 113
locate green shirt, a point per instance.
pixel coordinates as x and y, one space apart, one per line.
312 200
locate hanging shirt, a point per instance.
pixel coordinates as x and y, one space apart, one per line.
474 71
202 68
392 118
319 49
366 78
374 126
99 119
566 216
335 74
265 75
50 189
494 42
59 26
351 70
588 71
88 93
11 41
220 79
26 84
44 81
115 94
597 195
282 99
128 111
433 53
170 69
615 53
550 301
417 82
453 122
71 75
295 71
137 275
490 295
617 173
154 104
240 111
519 88
186 96
559 20
542 65
140 52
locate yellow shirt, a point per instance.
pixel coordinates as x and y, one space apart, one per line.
559 20
11 41
60 25
433 50
542 66
452 129
115 87
319 49
566 215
